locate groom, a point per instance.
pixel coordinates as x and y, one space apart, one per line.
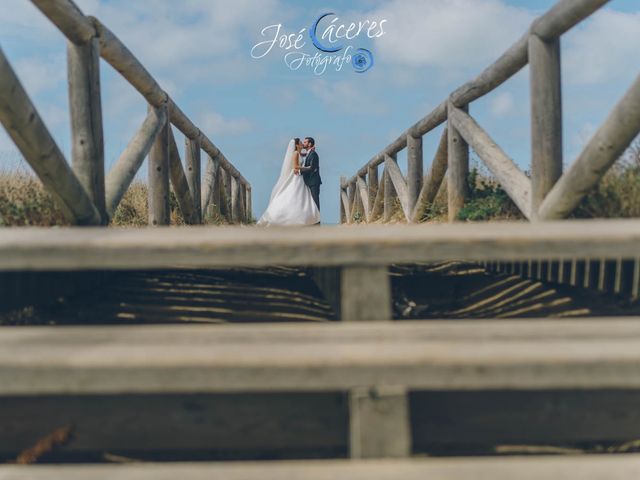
311 169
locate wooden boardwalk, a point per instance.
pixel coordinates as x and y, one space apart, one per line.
382 344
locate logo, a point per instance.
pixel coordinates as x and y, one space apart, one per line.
332 40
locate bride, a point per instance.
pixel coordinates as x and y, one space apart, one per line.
291 202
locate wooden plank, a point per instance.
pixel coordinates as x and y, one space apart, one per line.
546 117
434 179
510 177
123 172
365 294
470 355
158 178
604 148
25 127
379 424
458 165
399 185
240 425
528 467
70 248
85 108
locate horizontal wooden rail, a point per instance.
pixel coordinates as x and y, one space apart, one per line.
530 467
31 248
537 198
467 355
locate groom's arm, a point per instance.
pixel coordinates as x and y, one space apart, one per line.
313 166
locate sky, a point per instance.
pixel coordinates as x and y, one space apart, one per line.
249 104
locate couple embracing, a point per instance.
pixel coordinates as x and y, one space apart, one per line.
295 198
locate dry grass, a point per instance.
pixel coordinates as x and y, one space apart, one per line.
25 202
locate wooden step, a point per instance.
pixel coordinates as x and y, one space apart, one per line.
576 467
203 247
473 354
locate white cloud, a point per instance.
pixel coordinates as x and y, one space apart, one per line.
213 123
449 34
346 96
502 104
604 49
38 75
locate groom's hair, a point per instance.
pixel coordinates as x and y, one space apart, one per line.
311 141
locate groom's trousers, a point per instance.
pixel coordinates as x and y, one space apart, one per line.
315 193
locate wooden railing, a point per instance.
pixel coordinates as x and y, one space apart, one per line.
85 194
548 194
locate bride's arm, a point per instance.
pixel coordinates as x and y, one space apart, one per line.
295 162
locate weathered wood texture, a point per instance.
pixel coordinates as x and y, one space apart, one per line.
414 170
540 45
399 184
365 294
530 467
364 197
179 181
434 179
467 355
89 38
510 177
123 172
546 117
27 130
603 149
158 177
85 108
32 248
458 165
379 422
192 160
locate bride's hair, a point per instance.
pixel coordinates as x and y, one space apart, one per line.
296 141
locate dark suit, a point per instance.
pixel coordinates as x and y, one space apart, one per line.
312 175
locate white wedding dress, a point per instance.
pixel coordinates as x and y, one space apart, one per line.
291 202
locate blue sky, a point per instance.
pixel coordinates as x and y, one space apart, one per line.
199 52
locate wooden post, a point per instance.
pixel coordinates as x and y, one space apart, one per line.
24 125
379 422
372 185
225 196
365 294
351 193
159 211
603 149
546 117
341 193
414 169
192 160
243 202
458 166
235 201
123 172
85 108
248 206
210 188
389 193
